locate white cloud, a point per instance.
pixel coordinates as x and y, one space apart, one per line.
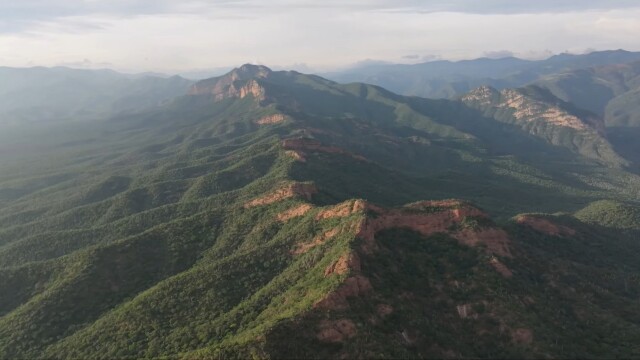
175 36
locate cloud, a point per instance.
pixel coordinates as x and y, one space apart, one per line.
504 6
21 15
180 36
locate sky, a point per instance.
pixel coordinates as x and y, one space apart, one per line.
178 36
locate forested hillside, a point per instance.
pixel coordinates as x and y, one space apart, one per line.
280 215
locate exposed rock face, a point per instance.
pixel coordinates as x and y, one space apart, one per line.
348 262
297 155
545 226
427 218
294 212
345 209
482 96
527 108
336 331
239 83
538 112
432 217
270 119
288 191
304 145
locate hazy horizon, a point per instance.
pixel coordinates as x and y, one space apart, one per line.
178 37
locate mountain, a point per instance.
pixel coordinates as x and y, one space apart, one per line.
447 79
540 113
612 92
272 214
60 94
609 91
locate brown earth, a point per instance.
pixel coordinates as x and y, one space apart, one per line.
297 155
438 217
545 226
344 209
294 212
344 264
353 286
426 218
288 191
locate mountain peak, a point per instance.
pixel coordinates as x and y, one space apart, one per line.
251 71
239 82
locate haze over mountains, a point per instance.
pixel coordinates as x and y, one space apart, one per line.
64 94
274 214
445 79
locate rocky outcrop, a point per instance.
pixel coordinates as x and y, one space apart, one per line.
296 155
299 210
430 217
482 96
528 108
304 190
545 226
345 209
348 262
270 119
305 145
426 218
538 112
239 83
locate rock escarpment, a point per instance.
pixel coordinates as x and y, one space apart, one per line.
239 83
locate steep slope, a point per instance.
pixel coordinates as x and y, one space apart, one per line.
275 214
613 91
538 112
606 90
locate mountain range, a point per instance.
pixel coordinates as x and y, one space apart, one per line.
62 94
447 79
273 214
